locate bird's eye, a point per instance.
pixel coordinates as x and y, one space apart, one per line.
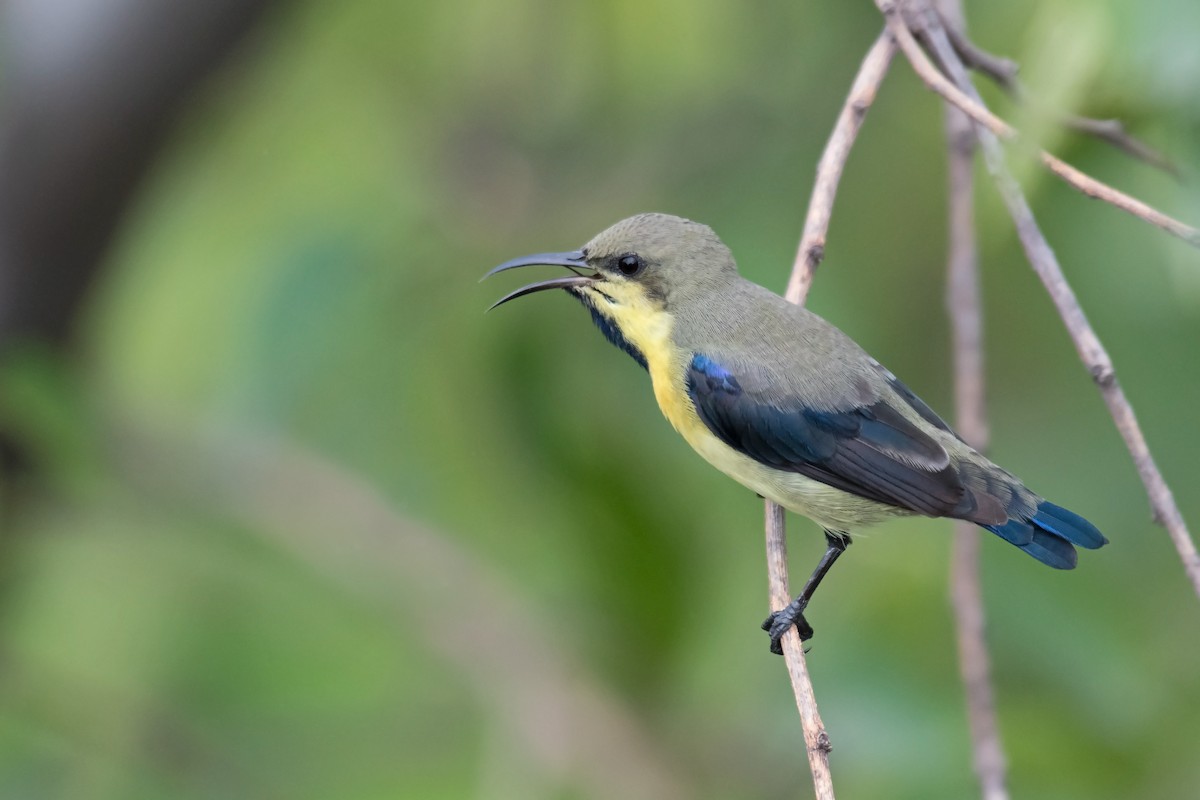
630 265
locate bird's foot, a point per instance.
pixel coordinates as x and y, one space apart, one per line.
780 621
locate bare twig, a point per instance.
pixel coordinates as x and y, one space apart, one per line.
1113 131
808 257
1001 70
816 740
1004 71
833 159
975 108
1045 264
965 309
1102 191
974 664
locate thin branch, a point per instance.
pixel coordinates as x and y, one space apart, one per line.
808 257
833 159
963 302
1045 264
974 107
1113 131
816 740
965 309
1003 72
974 664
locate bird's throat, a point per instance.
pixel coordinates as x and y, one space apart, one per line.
642 327
630 319
610 330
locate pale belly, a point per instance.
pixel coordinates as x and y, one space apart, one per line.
829 507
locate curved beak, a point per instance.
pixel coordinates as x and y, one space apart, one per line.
573 260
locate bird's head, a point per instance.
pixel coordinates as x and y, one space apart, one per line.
634 274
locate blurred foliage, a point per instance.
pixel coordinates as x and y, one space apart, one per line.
302 267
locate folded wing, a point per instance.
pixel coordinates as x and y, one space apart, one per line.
871 450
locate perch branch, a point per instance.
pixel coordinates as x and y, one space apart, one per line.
1045 264
809 255
965 309
833 159
816 740
973 106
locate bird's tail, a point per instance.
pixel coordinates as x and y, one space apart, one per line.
1049 535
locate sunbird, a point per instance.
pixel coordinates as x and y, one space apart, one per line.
785 403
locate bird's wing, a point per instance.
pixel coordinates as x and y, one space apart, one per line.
915 403
870 449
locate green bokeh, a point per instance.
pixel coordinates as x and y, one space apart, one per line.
302 268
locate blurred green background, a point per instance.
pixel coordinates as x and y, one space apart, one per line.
297 520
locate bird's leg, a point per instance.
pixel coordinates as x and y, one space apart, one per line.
793 614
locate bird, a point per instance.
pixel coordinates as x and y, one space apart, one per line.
785 403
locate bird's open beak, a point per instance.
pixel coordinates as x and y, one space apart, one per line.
573 260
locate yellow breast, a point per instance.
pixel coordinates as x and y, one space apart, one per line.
829 507
667 364
648 328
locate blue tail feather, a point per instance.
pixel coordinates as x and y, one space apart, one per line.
1014 532
1051 550
1049 535
1068 525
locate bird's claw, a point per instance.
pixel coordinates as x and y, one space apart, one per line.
778 624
